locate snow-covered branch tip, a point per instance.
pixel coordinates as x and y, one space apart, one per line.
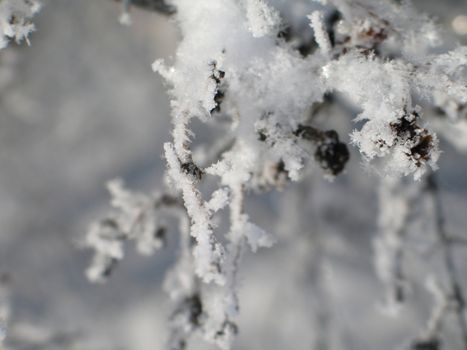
15 20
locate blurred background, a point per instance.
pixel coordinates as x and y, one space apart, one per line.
81 106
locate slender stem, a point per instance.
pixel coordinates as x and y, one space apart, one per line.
448 256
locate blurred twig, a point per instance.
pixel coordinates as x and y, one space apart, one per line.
458 295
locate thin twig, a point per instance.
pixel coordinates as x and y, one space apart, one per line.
448 256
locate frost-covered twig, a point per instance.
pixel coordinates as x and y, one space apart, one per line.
137 218
429 338
184 288
396 204
240 64
456 290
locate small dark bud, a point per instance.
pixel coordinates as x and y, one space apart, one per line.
281 172
262 135
331 154
161 234
404 127
192 169
422 149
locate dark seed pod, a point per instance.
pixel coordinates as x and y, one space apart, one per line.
406 128
331 154
262 135
192 169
